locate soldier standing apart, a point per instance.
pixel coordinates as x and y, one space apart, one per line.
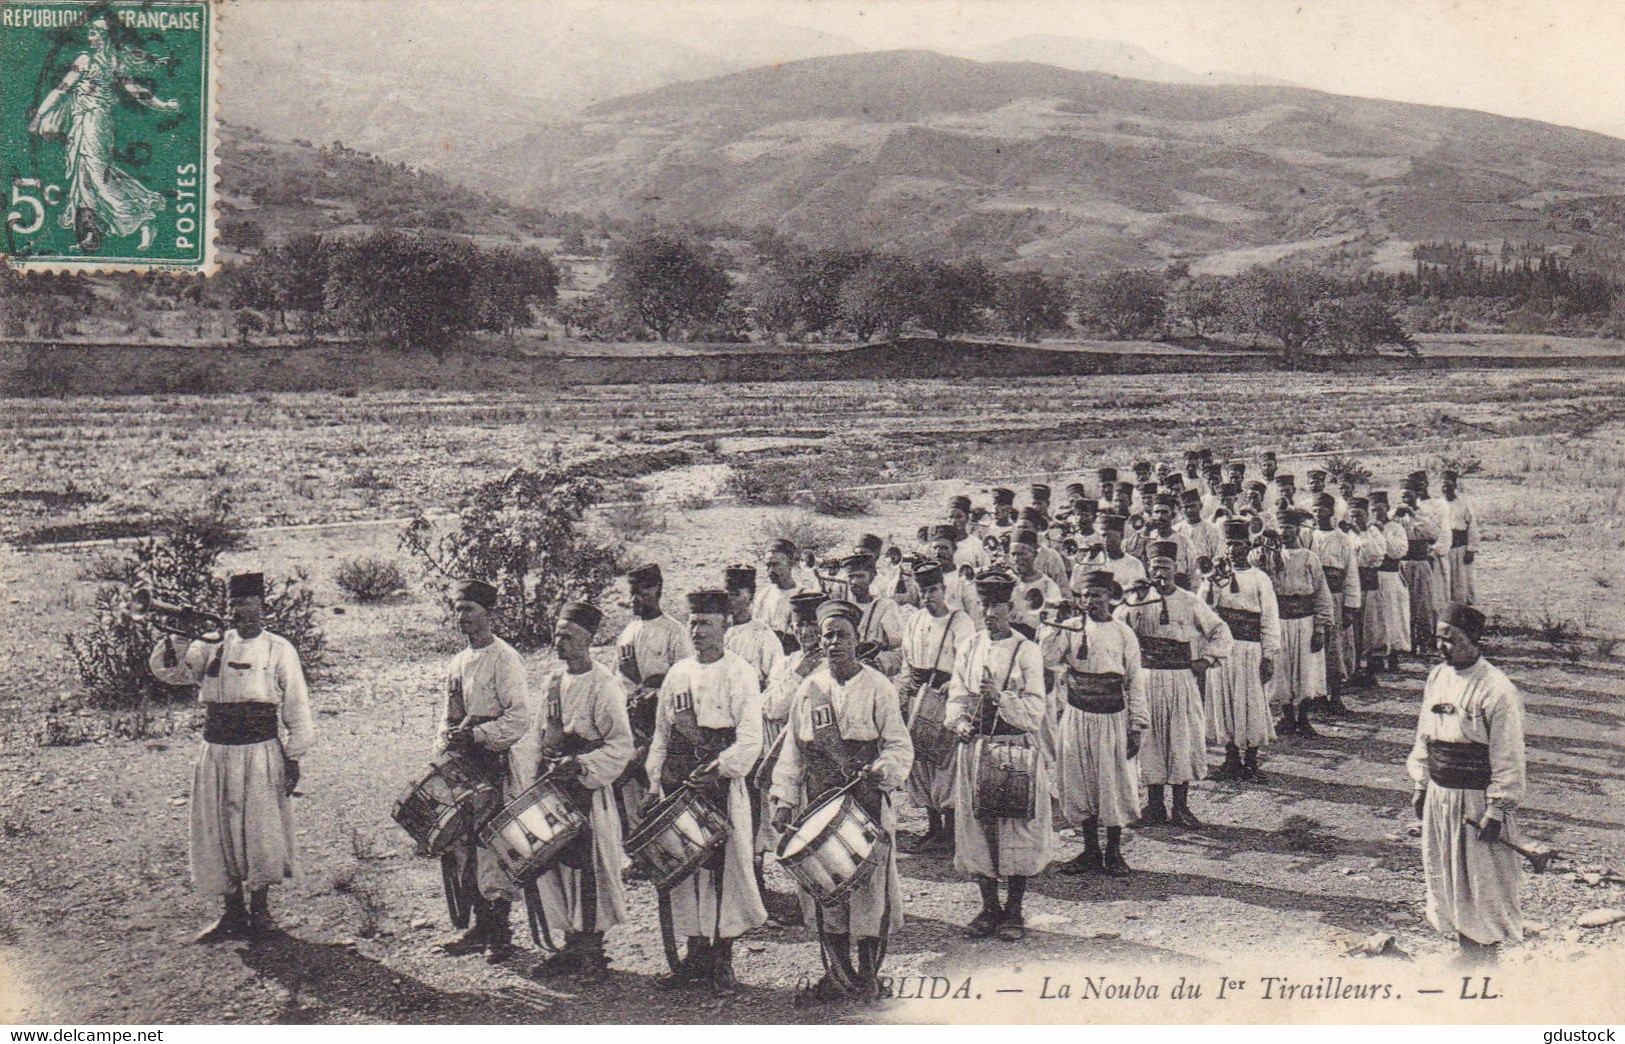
1468 765
487 711
252 688
708 732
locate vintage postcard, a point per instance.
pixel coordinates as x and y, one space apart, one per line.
732 513
106 134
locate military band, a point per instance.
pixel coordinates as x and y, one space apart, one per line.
1012 673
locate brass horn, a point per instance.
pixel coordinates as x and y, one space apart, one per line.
182 620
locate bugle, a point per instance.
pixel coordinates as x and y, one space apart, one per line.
182 620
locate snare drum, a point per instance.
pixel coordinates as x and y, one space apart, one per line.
451 801
1005 771
934 744
532 832
833 848
677 838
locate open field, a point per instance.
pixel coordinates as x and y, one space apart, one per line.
94 900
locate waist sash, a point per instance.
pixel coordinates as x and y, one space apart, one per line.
1417 550
1459 766
239 724
1368 578
1458 538
1094 693
1296 607
1165 654
1245 625
1335 578
1389 565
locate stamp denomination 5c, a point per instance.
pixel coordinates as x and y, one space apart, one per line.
107 135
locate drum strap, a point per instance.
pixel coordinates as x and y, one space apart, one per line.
456 901
668 931
537 914
846 756
589 883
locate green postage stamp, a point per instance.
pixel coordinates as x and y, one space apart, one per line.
107 135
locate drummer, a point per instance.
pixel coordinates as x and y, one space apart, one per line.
586 740
651 642
487 711
708 730
844 721
788 675
931 641
997 698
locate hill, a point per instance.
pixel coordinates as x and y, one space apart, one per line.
1037 166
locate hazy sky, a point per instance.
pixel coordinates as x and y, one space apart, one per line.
1555 60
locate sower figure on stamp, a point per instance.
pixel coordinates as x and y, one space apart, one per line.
998 706
931 642
781 689
708 734
1468 765
1238 702
584 739
487 711
844 722
651 642
252 688
1179 636
1101 724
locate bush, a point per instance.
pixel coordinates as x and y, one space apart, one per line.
370 578
801 528
841 503
772 486
632 522
525 533
110 653
213 525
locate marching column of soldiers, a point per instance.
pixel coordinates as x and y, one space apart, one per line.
1011 673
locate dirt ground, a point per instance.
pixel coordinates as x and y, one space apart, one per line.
95 905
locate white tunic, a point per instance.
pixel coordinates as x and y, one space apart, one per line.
1472 886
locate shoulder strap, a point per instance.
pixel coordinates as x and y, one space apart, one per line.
947 629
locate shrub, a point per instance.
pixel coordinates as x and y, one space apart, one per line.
370 578
632 522
1337 468
213 525
842 503
694 501
801 528
110 653
524 533
772 486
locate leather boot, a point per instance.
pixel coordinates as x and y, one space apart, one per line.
1231 769
1393 662
1249 767
868 961
1156 812
693 968
723 983
259 912
1304 728
499 933
1288 725
1182 815
1013 926
946 841
233 923
986 922
475 939
1090 860
933 832
1115 864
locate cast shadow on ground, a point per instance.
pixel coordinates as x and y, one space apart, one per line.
333 983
